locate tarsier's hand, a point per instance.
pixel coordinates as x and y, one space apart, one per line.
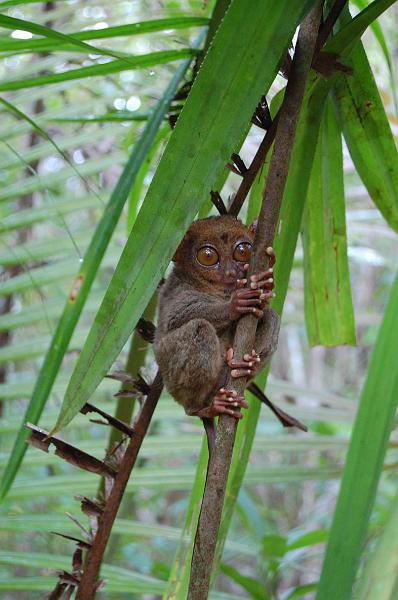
254 299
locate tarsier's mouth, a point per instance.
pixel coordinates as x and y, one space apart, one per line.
229 281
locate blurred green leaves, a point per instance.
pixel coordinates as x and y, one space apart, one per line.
328 304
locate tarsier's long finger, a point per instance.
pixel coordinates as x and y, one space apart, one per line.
248 293
241 373
272 258
269 294
227 411
262 279
248 302
245 367
240 283
250 310
239 401
229 356
267 274
248 361
265 296
229 395
242 364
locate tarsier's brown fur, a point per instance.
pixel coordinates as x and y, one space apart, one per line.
196 321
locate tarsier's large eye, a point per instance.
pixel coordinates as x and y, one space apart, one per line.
207 256
242 252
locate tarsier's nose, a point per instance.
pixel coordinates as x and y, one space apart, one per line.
231 271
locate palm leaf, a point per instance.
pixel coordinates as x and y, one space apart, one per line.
328 304
364 461
114 66
85 278
50 45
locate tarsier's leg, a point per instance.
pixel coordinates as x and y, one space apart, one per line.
190 361
265 344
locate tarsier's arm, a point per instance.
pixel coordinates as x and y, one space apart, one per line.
195 305
191 304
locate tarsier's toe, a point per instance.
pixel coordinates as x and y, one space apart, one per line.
230 398
245 367
224 402
220 405
225 395
224 410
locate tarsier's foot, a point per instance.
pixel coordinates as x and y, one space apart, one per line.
224 402
254 299
243 368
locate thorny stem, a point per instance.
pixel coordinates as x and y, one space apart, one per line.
213 498
328 25
89 579
256 164
268 140
135 361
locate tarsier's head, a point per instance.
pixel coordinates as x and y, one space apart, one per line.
214 251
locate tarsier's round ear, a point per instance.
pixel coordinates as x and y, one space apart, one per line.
253 226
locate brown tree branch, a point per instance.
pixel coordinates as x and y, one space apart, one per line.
89 579
219 463
328 25
256 164
258 160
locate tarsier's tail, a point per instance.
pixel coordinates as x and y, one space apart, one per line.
284 418
210 428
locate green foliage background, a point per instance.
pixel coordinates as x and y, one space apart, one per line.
84 94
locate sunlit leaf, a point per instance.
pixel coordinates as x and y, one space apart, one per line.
328 304
368 135
62 41
364 462
380 576
114 66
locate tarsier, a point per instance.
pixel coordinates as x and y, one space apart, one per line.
199 306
